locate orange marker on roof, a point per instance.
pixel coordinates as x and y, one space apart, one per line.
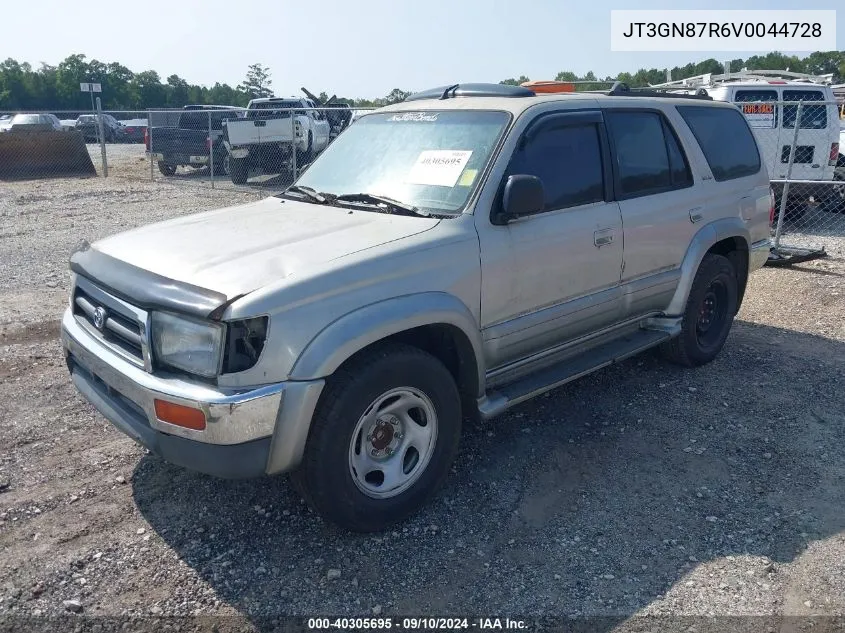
549 87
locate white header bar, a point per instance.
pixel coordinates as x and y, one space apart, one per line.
722 30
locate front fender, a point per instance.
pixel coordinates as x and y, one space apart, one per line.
702 242
356 330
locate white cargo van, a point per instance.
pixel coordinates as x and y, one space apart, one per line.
769 100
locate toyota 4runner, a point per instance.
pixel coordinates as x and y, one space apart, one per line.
448 256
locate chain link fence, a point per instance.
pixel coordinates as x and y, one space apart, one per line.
264 147
807 171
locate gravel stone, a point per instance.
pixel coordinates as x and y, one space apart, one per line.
74 606
610 487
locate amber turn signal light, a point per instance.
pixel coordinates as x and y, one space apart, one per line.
179 415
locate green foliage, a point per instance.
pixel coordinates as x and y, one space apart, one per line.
515 82
56 88
257 82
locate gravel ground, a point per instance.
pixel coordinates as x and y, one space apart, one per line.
644 489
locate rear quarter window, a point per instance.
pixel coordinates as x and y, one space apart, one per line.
725 139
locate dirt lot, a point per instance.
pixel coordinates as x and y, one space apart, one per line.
643 489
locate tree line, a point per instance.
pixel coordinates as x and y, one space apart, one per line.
56 88
818 63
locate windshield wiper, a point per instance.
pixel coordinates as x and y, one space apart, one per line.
396 206
312 194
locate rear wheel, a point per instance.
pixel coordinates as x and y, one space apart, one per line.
238 170
167 169
709 314
383 438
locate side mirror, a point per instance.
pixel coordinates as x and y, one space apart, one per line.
523 196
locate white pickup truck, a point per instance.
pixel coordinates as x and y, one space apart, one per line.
264 137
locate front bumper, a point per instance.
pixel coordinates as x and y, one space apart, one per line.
248 432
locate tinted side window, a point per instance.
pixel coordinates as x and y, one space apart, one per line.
649 158
813 117
568 161
725 139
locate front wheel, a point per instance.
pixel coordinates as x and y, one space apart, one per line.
709 314
382 440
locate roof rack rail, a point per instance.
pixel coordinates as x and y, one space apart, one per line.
621 89
471 90
762 76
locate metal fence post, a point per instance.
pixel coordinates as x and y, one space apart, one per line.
785 192
102 138
210 150
293 145
150 139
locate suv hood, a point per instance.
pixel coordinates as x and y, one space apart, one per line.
236 250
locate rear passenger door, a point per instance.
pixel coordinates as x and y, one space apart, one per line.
661 210
817 130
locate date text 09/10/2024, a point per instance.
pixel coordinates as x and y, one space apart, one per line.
412 624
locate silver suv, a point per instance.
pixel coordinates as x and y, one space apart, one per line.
451 255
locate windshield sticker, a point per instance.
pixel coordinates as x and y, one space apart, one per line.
414 116
438 167
468 177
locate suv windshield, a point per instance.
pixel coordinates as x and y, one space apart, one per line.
429 159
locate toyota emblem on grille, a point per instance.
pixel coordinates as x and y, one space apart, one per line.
100 315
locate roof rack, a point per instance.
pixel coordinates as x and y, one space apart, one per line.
745 75
621 89
471 90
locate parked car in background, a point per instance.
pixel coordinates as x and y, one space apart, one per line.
264 139
189 143
134 130
68 124
31 121
88 125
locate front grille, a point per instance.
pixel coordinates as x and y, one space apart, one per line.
120 325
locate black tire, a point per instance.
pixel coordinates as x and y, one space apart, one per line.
325 478
711 308
221 164
166 169
238 170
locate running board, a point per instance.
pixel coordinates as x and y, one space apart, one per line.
503 398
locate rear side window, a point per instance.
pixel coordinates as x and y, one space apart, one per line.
568 161
725 139
813 117
194 121
649 158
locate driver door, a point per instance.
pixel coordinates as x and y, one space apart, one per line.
554 276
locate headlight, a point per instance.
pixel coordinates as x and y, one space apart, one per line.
193 346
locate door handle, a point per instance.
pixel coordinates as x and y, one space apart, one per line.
696 215
603 237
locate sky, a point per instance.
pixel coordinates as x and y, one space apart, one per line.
358 49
